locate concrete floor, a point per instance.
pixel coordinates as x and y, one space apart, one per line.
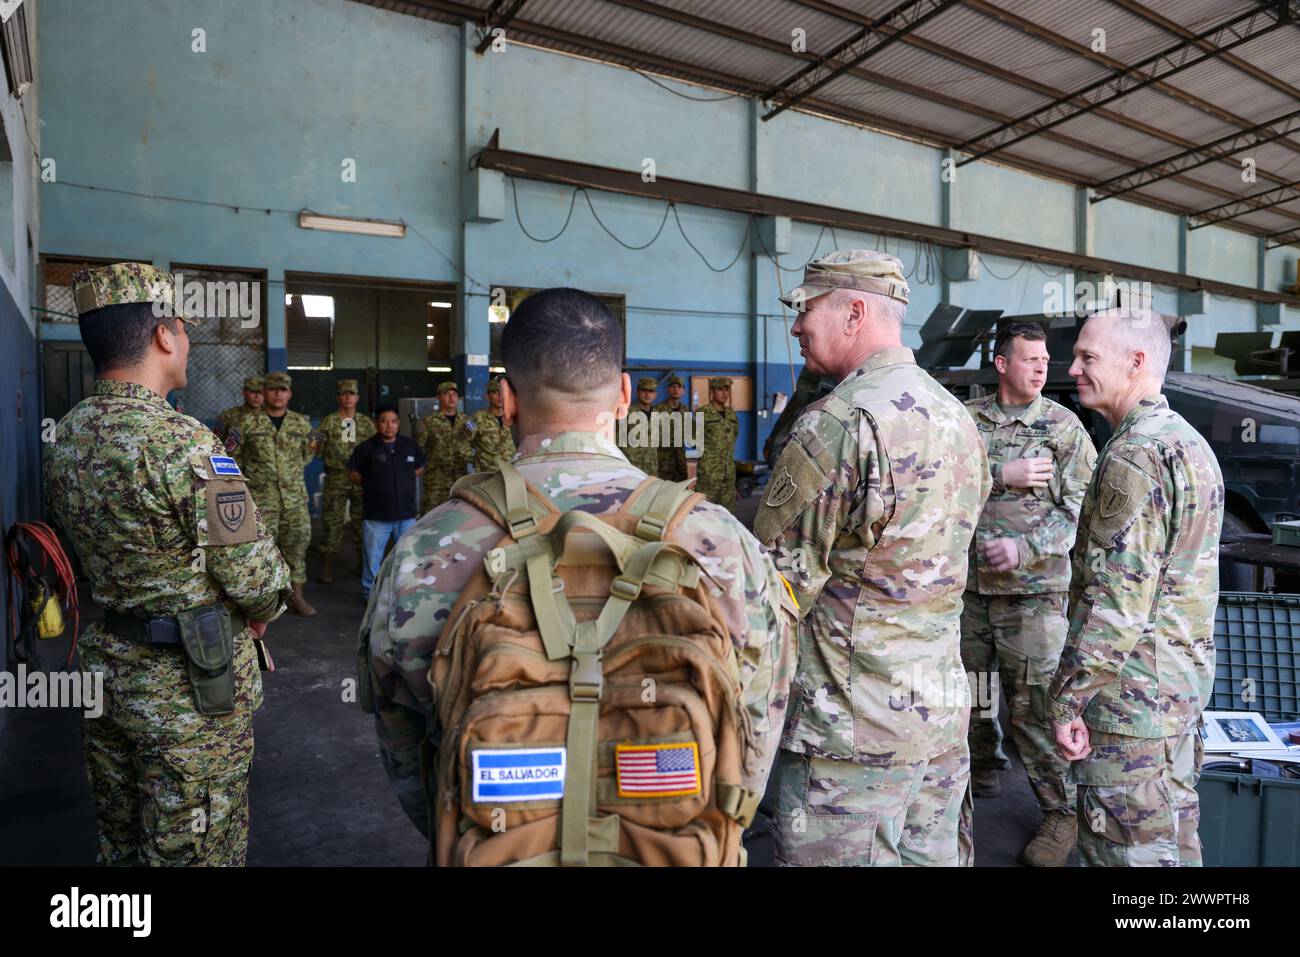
318 795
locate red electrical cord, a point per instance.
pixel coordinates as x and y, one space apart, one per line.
66 579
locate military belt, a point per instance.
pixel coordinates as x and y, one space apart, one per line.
158 632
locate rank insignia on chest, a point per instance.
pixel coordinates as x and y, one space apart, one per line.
657 770
224 465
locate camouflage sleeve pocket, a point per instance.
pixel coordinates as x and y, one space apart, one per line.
1122 493
796 481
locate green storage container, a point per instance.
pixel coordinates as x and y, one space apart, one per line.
1286 533
1249 821
1257 655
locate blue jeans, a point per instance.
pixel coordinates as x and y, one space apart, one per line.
375 537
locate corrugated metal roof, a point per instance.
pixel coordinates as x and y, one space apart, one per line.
970 68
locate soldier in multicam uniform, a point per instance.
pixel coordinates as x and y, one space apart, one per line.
230 418
1138 664
716 469
445 441
1013 622
140 490
870 512
570 373
641 448
672 457
490 441
276 446
340 433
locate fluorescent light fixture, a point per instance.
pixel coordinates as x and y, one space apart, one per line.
346 224
440 305
497 369
430 338
437 368
288 299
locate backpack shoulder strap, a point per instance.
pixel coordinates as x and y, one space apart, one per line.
660 506
508 498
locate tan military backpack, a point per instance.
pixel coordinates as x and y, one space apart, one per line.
588 692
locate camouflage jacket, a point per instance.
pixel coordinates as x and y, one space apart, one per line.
419 583
718 443
274 461
1041 520
672 457
870 512
339 440
642 448
1139 659
490 441
445 442
132 484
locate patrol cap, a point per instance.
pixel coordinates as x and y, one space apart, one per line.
124 283
647 382
676 380
446 386
862 269
278 380
253 383
493 385
348 385
720 382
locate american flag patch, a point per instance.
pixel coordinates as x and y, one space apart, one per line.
657 770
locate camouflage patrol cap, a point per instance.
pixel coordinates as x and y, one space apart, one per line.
493 385
862 269
675 380
647 382
278 380
348 385
447 386
124 283
253 383
720 382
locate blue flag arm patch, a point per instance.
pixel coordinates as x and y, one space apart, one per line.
224 465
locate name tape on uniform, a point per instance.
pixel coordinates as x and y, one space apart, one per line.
518 774
224 465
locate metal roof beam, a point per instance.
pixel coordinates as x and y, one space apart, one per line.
866 43
1278 240
1244 27
497 17
1265 132
1246 204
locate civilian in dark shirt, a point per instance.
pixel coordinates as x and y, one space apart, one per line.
386 467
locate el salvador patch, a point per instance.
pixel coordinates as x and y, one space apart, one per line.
517 774
224 465
657 770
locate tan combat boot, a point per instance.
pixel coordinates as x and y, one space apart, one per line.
985 783
298 602
327 570
1053 842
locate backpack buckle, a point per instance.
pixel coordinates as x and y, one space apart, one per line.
587 679
625 588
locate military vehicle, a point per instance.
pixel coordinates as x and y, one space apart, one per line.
1254 431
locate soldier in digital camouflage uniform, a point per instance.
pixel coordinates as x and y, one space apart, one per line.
672 456
716 469
639 442
445 440
490 441
1138 664
340 432
581 470
162 523
1013 622
276 446
230 418
869 513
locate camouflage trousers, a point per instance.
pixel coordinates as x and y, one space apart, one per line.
718 489
839 813
1137 801
1019 638
435 489
170 785
340 506
290 525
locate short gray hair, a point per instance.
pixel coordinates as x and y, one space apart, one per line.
893 310
1145 331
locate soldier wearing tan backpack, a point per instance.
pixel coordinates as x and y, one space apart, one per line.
571 662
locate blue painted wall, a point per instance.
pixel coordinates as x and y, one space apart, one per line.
287 91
